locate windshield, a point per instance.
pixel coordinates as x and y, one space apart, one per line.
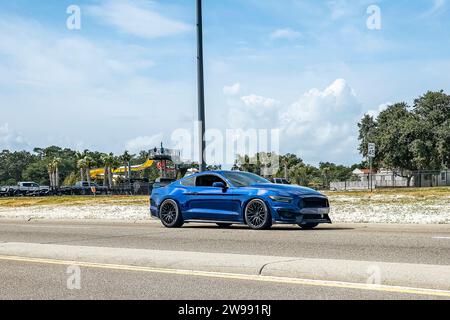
244 179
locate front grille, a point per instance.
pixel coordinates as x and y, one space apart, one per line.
314 203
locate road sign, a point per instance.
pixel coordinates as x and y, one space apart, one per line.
372 150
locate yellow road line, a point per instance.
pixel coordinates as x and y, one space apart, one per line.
232 276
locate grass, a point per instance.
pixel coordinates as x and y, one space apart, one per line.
72 201
405 192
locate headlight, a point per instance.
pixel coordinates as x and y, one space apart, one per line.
282 199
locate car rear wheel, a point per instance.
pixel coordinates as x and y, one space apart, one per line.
170 214
308 226
257 215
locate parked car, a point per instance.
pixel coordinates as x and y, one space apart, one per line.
25 189
7 191
232 197
280 181
86 188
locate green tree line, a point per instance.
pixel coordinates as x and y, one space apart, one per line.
55 166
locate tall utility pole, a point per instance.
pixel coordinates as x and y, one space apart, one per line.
201 88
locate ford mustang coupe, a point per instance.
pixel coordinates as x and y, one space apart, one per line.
232 197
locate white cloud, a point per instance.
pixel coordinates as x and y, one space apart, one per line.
254 100
321 125
286 33
340 8
138 19
11 140
143 143
65 81
323 118
232 90
252 112
381 108
438 7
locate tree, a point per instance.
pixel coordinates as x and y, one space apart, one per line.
89 162
410 138
432 111
367 134
56 163
126 158
81 163
109 162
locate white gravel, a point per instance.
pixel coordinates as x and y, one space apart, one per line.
394 209
82 212
377 209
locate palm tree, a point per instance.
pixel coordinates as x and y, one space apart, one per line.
89 162
126 158
104 160
109 162
56 163
81 163
50 173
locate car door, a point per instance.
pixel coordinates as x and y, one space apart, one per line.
205 202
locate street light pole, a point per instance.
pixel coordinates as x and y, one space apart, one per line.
201 88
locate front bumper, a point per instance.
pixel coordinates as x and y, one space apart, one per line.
302 216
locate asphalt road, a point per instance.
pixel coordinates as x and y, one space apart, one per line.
378 243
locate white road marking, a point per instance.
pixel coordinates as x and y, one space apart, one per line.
295 281
442 238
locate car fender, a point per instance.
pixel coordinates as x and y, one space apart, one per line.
244 205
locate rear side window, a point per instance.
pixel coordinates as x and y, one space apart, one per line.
188 182
208 181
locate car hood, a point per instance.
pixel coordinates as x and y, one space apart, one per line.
287 189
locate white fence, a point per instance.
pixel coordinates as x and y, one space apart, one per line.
358 185
349 185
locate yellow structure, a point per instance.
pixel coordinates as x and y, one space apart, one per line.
95 173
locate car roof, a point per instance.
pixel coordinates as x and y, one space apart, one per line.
220 172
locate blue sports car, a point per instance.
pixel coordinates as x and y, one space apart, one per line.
232 197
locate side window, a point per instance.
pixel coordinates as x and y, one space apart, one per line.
188 182
208 180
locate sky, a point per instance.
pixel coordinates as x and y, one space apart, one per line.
126 79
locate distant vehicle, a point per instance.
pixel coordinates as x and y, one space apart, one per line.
25 189
280 181
6 191
160 183
232 197
85 188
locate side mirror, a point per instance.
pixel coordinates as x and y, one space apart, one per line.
220 185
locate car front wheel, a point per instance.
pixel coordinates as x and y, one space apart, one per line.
170 214
257 215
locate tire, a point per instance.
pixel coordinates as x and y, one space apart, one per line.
224 225
170 214
257 215
308 226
